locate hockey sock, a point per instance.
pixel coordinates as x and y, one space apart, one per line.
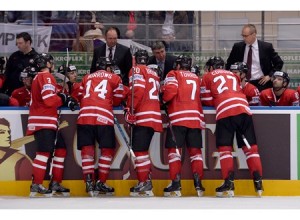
39 166
143 165
226 160
174 163
58 164
104 163
196 160
253 159
88 155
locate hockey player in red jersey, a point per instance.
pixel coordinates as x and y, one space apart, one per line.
23 94
181 95
221 88
43 124
101 91
279 94
251 91
144 114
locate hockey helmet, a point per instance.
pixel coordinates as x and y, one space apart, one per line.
115 69
29 71
184 61
215 62
239 66
156 68
62 69
41 60
103 62
196 69
282 74
141 57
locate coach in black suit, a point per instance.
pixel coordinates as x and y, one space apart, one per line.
265 61
165 61
119 53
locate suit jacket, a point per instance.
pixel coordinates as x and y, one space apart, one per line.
122 57
169 64
269 60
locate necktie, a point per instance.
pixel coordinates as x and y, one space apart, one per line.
161 66
249 62
110 54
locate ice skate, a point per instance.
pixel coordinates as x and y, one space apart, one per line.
227 189
89 185
39 191
174 188
198 185
142 189
58 190
103 189
258 186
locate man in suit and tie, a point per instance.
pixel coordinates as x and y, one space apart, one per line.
119 53
261 58
163 60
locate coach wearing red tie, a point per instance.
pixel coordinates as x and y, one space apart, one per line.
260 56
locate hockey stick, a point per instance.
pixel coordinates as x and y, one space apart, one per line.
132 155
172 131
59 115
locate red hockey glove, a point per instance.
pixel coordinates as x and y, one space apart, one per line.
129 118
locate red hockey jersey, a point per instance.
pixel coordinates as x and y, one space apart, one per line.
23 96
181 90
289 97
44 103
221 89
252 94
146 104
100 91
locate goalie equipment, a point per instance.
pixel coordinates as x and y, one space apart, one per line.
142 189
227 188
129 118
38 190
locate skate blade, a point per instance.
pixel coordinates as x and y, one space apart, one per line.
99 194
172 194
200 193
91 193
225 194
259 193
39 195
142 194
60 194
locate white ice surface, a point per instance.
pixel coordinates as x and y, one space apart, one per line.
149 208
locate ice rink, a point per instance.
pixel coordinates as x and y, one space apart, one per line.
140 208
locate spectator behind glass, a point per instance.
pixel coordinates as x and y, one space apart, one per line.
17 62
163 60
265 61
120 54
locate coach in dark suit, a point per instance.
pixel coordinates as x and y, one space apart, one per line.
265 61
163 60
115 51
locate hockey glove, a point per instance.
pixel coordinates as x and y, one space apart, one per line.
63 97
71 103
129 118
